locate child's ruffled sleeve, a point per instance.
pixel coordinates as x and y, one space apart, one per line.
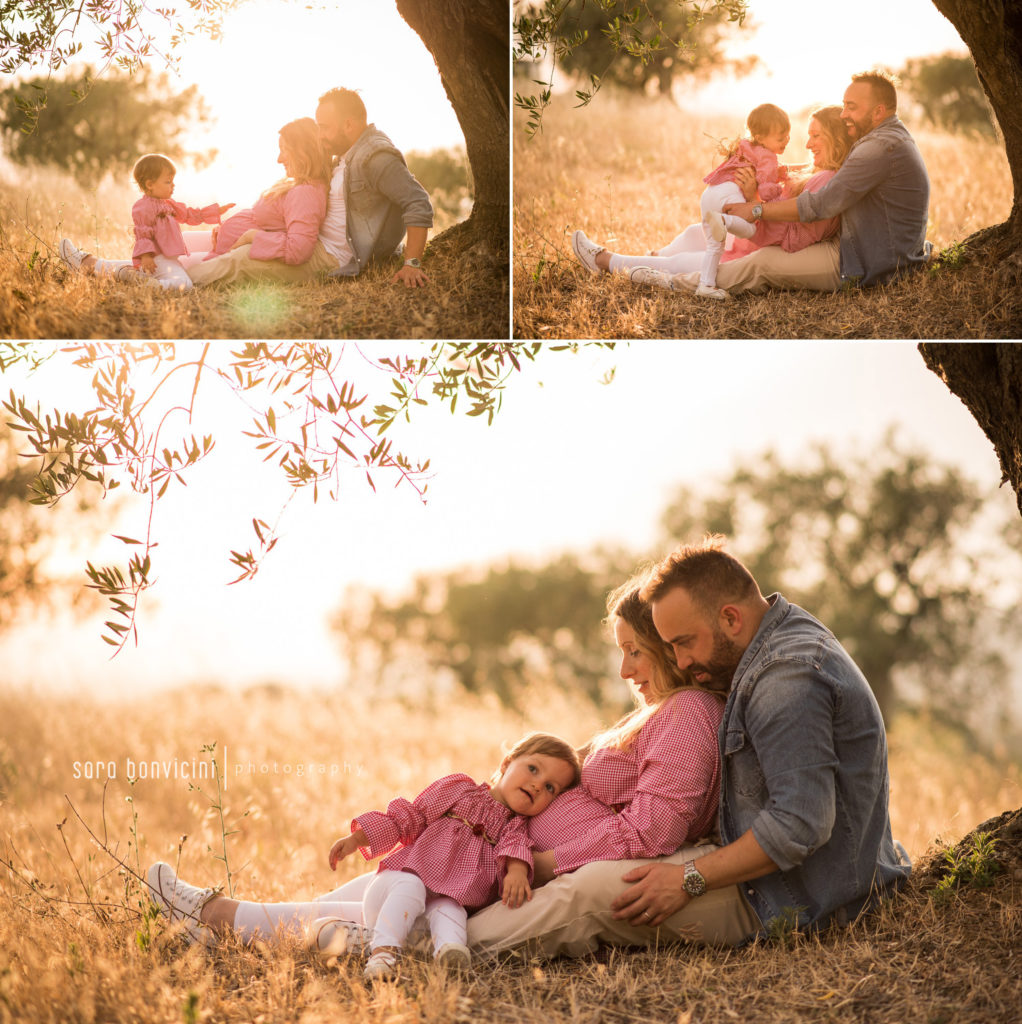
190 215
514 842
404 821
143 220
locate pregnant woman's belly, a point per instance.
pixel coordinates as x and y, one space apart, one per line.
571 813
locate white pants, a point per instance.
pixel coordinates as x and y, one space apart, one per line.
171 273
713 200
683 255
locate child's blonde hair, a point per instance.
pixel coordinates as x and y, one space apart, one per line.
542 743
149 167
762 120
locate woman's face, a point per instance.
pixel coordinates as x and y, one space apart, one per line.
819 145
636 665
284 157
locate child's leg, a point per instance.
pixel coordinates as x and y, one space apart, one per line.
171 275
690 240
710 260
265 922
448 922
679 263
393 901
109 268
716 197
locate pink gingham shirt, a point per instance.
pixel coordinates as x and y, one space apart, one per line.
789 236
287 225
645 801
454 835
156 226
769 173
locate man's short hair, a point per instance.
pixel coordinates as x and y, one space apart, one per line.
883 86
346 103
710 575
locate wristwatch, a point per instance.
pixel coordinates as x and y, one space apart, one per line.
694 883
413 262
757 211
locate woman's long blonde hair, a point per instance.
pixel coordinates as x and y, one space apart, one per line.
310 163
666 678
835 134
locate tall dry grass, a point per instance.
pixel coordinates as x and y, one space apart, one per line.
467 297
73 945
628 171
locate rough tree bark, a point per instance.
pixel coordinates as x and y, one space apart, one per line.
988 380
992 29
470 42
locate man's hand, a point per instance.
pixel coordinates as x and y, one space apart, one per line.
410 277
147 263
515 888
743 210
657 895
745 179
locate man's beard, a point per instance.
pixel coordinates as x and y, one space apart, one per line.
723 661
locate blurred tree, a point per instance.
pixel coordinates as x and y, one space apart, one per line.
886 550
948 90
495 630
445 175
89 126
669 44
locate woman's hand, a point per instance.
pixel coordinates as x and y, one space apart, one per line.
544 864
745 179
515 888
245 239
346 847
657 895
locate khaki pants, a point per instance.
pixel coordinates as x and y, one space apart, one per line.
816 268
238 265
571 915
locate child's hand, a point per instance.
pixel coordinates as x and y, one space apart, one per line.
226 207
346 847
147 263
515 889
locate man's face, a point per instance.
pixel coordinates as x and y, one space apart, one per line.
334 131
859 110
699 644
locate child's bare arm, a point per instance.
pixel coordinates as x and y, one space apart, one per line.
515 888
346 846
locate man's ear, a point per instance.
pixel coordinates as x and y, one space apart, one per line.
731 619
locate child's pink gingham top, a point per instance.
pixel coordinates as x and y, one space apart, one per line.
791 237
769 173
287 225
645 801
156 226
454 835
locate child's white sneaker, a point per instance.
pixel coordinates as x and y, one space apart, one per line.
71 254
706 292
586 250
647 275
717 227
180 902
454 956
333 936
382 965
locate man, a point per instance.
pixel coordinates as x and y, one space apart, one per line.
881 192
374 199
804 793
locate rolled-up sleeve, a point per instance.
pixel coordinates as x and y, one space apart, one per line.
791 726
865 168
391 176
304 208
514 842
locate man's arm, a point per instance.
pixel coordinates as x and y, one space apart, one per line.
782 209
658 890
415 246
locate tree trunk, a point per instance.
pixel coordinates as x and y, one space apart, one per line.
470 42
988 379
992 29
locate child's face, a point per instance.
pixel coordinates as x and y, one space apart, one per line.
530 783
776 141
163 186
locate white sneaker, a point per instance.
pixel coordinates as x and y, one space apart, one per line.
454 956
706 292
717 228
333 936
586 251
647 275
71 254
180 902
381 966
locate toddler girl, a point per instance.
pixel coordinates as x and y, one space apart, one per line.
158 238
770 130
462 846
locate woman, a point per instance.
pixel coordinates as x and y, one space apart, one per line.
828 142
649 785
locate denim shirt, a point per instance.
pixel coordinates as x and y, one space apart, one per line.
882 193
805 767
382 199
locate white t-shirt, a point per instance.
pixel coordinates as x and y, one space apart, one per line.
332 232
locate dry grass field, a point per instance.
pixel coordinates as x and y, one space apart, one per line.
468 294
75 948
629 172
